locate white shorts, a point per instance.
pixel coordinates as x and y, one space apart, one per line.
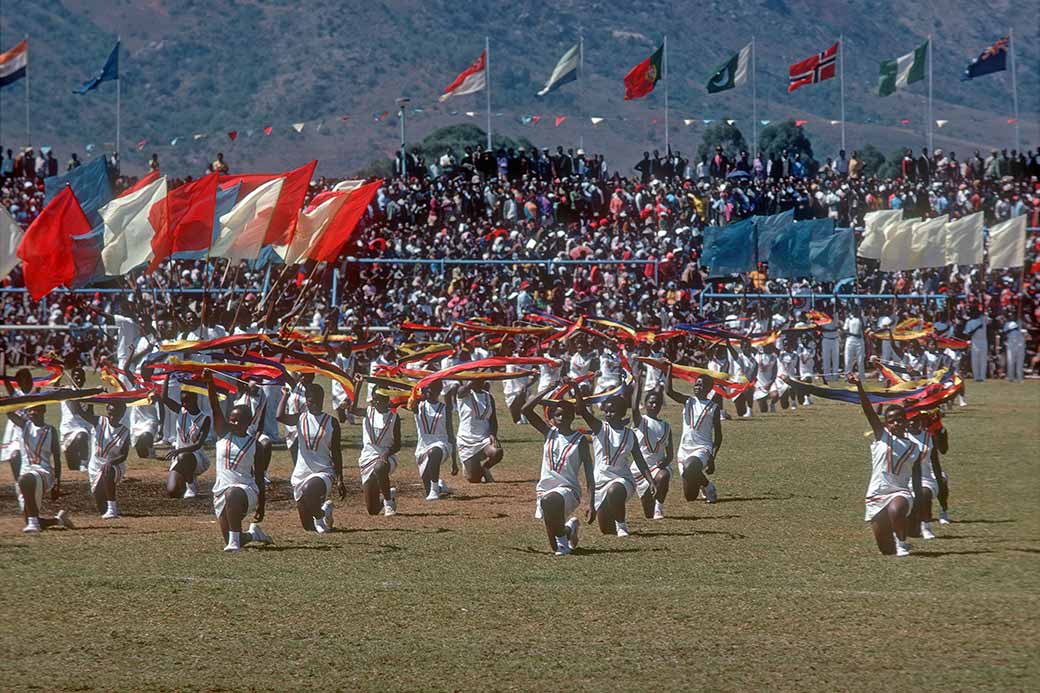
601 491
876 504
219 499
94 472
470 450
696 457
68 435
44 482
370 466
571 501
422 456
201 462
642 485
298 484
931 484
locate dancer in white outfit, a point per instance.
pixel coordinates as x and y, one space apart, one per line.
436 440
558 493
74 428
187 459
479 449
380 442
319 459
40 468
239 488
614 449
12 446
927 429
894 462
654 435
701 437
109 447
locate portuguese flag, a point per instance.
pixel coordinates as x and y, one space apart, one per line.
641 79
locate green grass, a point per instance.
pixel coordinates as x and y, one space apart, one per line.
779 585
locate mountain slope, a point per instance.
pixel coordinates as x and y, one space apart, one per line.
209 67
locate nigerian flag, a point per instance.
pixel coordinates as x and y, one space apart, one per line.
907 69
731 73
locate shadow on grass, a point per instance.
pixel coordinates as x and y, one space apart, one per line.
1024 550
583 551
748 499
463 498
361 530
940 554
697 518
694 533
518 481
983 522
298 547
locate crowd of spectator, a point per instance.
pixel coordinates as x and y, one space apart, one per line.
522 219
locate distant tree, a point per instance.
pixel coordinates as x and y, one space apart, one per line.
893 166
457 137
377 168
777 137
872 159
725 135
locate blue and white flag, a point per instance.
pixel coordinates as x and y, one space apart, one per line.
109 72
565 71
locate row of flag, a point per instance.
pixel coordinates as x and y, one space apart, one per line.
733 72
84 233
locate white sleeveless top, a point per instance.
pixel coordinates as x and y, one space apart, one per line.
235 456
296 405
108 441
652 436
37 446
315 453
475 416
72 422
189 427
548 374
431 425
892 460
377 434
698 423
561 461
611 450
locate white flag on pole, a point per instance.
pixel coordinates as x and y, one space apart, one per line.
897 248
874 224
1007 243
964 240
928 244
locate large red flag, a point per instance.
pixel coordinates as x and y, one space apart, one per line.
46 248
641 79
290 202
342 228
185 222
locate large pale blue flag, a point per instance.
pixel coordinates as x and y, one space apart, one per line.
833 257
768 229
90 184
730 249
789 255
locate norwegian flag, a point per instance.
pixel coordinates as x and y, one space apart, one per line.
815 69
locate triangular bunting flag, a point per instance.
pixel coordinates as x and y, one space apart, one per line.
141 144
688 121
199 135
89 147
344 118
595 120
560 119
268 129
730 121
232 135
249 133
835 122
535 119
940 123
800 123
471 114
1012 121
526 119
173 142
905 121
765 122
298 127
708 121
653 121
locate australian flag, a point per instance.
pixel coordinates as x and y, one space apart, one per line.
993 59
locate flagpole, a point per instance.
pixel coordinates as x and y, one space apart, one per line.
581 86
666 95
931 51
28 127
1014 89
841 74
119 97
487 85
754 104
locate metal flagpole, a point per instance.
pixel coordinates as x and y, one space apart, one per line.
841 75
1014 89
581 86
119 97
487 85
665 66
28 127
931 50
754 104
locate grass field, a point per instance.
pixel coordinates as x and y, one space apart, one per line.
777 586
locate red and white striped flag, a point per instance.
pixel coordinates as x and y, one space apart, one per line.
470 80
818 68
14 63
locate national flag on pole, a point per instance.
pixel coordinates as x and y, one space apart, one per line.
818 68
565 71
731 73
469 81
46 248
642 78
993 59
903 71
14 63
109 72
10 236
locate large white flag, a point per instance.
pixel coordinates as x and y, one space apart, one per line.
243 229
874 224
10 236
896 252
964 240
1007 243
128 231
928 244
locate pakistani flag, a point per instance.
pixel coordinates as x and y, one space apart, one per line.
565 71
898 73
731 73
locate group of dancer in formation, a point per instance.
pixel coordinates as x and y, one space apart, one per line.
239 392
